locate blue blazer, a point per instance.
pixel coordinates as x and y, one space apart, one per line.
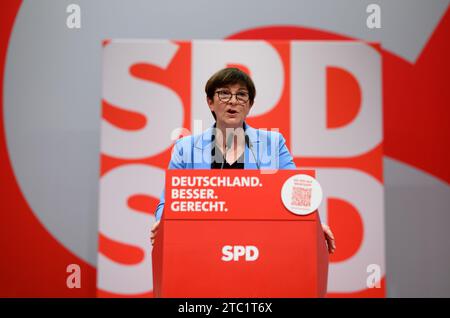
194 152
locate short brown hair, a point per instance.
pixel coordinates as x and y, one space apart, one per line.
230 76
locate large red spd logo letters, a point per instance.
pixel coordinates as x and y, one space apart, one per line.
324 96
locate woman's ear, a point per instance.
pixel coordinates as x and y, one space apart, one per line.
210 102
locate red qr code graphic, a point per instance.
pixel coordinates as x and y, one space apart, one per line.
301 197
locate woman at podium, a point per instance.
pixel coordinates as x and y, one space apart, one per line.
231 143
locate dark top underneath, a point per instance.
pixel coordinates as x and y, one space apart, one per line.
216 161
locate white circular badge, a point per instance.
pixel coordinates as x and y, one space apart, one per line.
301 194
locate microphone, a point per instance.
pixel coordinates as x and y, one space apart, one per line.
227 146
250 146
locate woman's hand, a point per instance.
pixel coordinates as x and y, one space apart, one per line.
153 232
329 237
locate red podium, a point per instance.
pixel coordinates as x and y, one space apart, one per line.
227 234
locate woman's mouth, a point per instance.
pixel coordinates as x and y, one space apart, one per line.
232 112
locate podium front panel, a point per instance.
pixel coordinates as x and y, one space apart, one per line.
256 248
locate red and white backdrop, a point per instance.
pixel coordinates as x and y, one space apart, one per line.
324 96
86 133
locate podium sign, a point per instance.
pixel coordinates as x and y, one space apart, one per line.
227 233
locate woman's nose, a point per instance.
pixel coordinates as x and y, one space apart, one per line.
233 99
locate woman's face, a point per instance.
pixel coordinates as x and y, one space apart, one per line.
230 111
